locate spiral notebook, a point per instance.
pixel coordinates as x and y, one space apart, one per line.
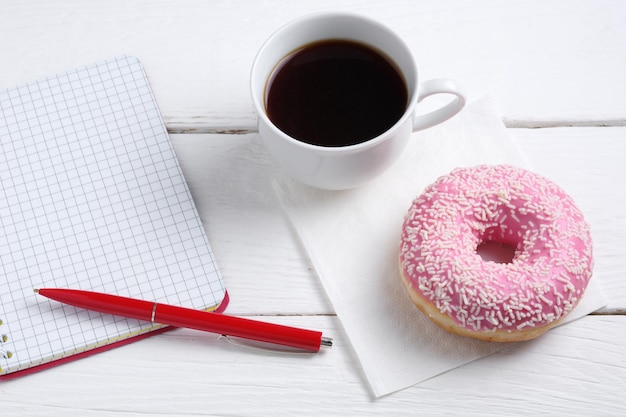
92 197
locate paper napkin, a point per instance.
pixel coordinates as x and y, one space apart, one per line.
352 238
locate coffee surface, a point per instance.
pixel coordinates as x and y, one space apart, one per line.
335 93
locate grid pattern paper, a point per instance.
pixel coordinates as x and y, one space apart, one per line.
92 197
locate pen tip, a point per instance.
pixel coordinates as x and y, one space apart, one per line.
327 342
36 290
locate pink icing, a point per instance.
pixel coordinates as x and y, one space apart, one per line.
553 257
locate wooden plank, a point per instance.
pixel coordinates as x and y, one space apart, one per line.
545 62
261 259
264 267
577 369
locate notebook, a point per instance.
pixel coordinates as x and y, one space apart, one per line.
92 197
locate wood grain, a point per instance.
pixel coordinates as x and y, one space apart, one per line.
260 257
545 62
186 373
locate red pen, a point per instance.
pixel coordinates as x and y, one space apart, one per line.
189 318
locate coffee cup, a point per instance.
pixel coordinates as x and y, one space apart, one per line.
331 112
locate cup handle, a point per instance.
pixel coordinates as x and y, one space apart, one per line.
439 86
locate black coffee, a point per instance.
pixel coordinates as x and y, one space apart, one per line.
336 93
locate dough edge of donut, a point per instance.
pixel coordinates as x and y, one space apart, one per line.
447 323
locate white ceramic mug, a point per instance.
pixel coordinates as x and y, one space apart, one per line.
350 166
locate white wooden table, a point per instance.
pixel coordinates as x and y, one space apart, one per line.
556 69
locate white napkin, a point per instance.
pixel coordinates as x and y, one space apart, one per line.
352 238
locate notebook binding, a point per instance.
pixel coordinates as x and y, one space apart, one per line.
4 353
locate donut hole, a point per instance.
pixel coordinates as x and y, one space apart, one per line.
490 250
497 244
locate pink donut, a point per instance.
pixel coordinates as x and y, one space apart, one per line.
449 280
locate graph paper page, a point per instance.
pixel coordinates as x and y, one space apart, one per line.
91 197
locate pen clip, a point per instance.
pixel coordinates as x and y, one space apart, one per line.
263 346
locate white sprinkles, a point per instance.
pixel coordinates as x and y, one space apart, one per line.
553 257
